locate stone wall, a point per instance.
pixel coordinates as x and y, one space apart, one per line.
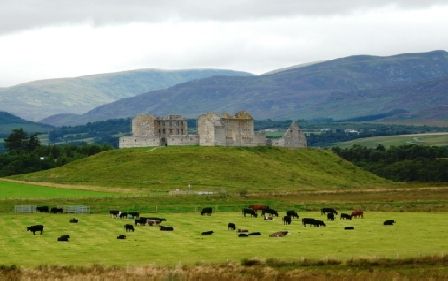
183 140
132 141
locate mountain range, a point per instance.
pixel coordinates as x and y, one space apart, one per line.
415 83
39 99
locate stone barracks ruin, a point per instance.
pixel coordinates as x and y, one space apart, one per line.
213 130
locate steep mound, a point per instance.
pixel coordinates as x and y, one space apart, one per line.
212 168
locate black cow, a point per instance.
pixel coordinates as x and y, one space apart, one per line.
346 216
242 230
255 233
140 221
153 222
121 236
166 228
313 222
63 238
35 228
231 226
134 214
122 215
210 232
129 227
270 211
73 220
206 211
287 220
243 235
114 213
42 209
249 211
349 228
292 214
55 210
328 210
389 222
330 216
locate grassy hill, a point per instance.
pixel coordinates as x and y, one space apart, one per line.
437 139
212 168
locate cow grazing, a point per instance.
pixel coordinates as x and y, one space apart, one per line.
249 211
133 215
156 219
231 226
42 209
206 211
268 218
166 228
114 213
389 222
121 236
258 207
345 216
140 221
55 210
330 216
153 222
358 214
73 220
279 234
287 220
63 238
269 211
35 228
328 210
210 232
313 222
254 233
349 228
122 215
129 227
292 214
243 235
242 230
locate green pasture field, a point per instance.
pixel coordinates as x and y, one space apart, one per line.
436 139
93 239
14 190
220 169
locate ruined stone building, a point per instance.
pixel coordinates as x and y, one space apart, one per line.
148 130
213 130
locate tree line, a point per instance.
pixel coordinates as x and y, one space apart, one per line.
25 154
401 163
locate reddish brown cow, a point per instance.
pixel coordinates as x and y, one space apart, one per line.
258 207
358 214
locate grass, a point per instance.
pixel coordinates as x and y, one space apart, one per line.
15 190
436 139
93 239
258 169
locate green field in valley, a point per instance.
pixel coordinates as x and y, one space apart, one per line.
437 139
93 239
257 169
15 190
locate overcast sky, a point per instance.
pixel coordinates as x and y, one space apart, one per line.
42 39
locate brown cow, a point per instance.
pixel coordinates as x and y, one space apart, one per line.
258 207
358 214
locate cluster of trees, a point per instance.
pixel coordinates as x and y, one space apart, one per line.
401 163
25 154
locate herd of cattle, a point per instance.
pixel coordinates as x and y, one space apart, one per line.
267 212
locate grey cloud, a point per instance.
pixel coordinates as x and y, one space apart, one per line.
25 14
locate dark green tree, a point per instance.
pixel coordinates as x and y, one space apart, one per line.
17 140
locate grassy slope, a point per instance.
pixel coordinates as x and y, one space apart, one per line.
93 239
423 139
216 168
13 190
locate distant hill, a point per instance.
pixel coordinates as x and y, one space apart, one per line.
432 139
340 89
9 122
212 168
39 99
